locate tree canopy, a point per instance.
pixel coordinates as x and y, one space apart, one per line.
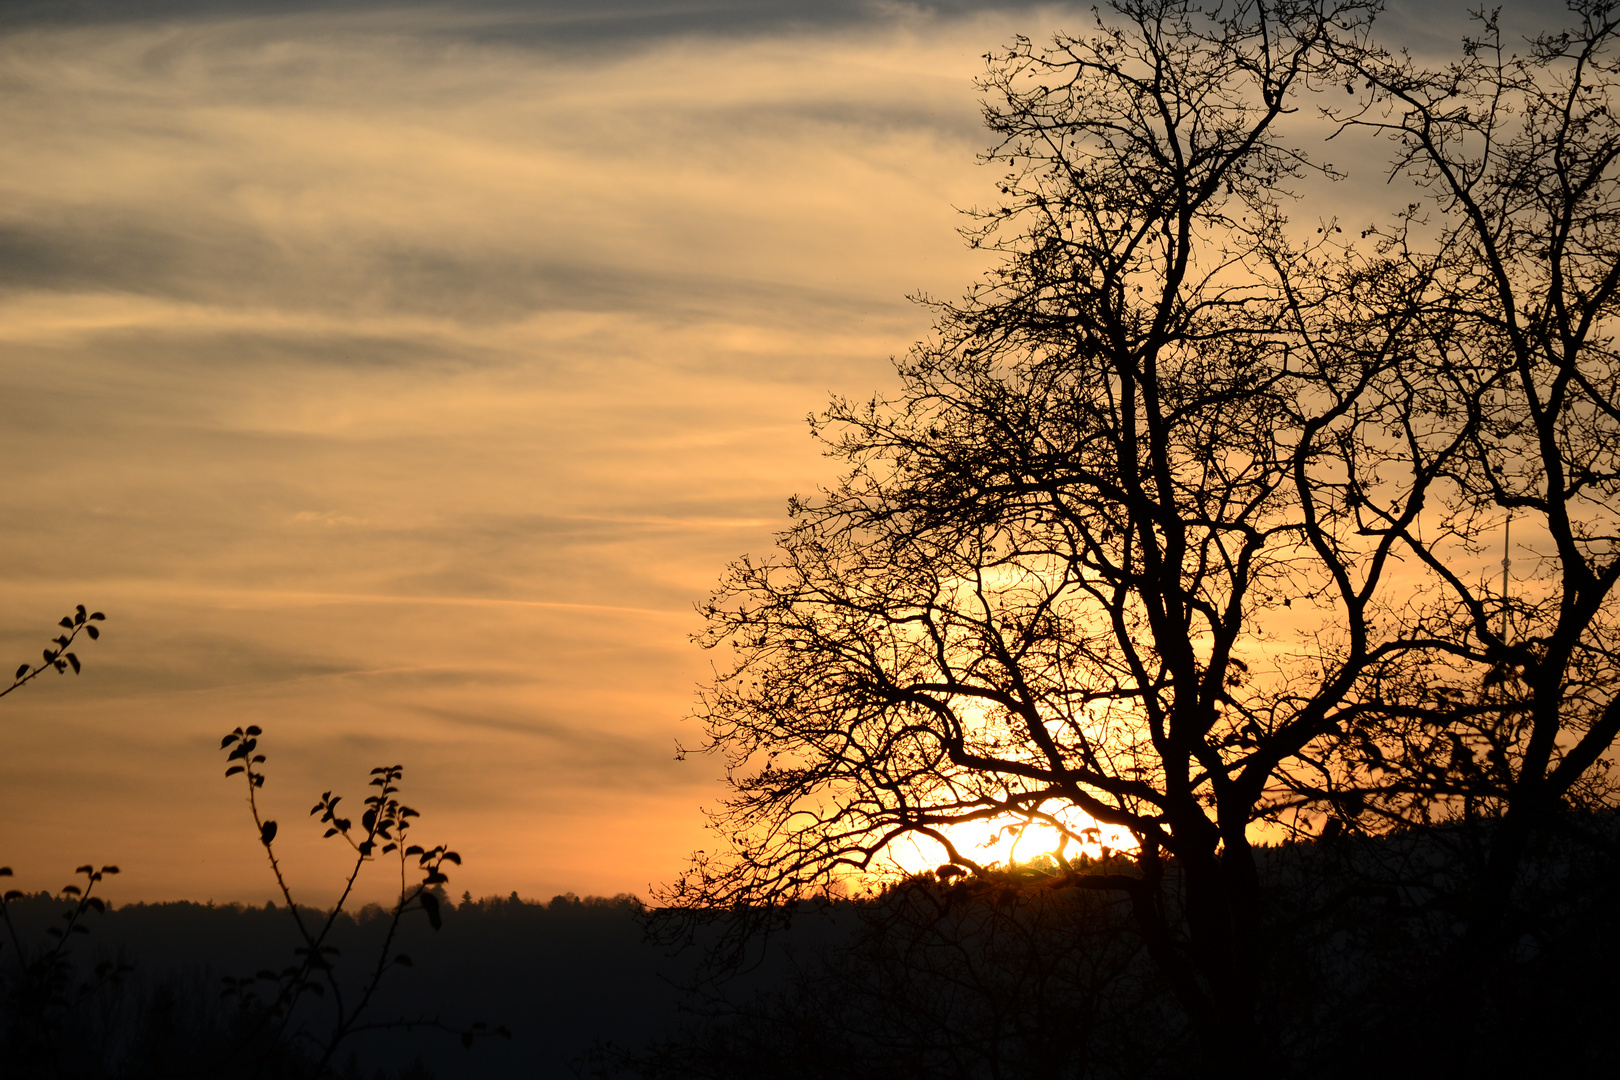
1182 521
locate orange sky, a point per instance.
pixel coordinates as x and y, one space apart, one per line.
396 378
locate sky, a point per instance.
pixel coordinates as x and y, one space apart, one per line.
398 377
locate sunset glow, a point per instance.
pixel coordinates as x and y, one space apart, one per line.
397 379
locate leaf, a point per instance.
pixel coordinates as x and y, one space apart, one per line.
97 616
109 869
253 731
67 621
430 904
74 660
414 849
234 769
329 832
21 672
267 833
78 615
85 869
5 871
227 740
93 632
453 857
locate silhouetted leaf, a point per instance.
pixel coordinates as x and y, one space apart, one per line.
329 832
98 616
253 731
234 769
21 671
67 621
267 833
93 632
430 904
227 740
74 660
78 615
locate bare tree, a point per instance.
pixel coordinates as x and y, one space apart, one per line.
1178 524
1057 583
1513 257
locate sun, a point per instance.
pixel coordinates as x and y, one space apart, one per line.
1004 841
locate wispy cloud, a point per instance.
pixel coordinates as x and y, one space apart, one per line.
397 375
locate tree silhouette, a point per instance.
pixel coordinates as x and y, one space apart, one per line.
1175 524
1513 258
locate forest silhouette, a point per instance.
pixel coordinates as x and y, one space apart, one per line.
1182 527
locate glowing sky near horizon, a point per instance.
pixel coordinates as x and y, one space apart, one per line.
397 377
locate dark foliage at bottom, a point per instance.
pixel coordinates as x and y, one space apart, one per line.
1368 973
